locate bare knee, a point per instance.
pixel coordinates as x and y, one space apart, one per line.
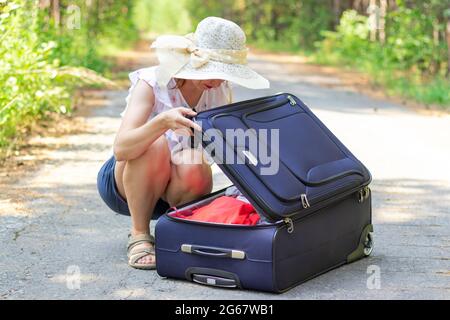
195 179
191 174
153 164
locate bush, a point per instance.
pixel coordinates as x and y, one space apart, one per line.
33 81
410 62
348 42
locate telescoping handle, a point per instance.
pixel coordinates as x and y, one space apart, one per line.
212 251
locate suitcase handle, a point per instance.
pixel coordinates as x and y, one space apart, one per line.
213 277
212 251
214 281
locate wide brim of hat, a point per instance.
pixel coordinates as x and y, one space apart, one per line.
240 74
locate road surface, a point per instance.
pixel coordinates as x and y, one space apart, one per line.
61 232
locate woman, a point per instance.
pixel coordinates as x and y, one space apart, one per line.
149 171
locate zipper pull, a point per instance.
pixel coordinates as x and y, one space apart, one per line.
366 192
292 102
290 224
305 201
363 194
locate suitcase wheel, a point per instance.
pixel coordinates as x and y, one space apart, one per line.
368 244
365 245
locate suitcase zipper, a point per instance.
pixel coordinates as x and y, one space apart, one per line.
365 191
248 103
290 224
363 194
343 195
335 199
326 194
305 201
292 102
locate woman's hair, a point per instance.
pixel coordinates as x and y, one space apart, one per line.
178 83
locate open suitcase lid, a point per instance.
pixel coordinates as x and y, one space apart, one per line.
287 163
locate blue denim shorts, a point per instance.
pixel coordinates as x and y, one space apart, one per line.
107 188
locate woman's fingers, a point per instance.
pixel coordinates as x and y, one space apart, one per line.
178 118
189 124
187 112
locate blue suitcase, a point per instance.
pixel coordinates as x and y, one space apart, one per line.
316 205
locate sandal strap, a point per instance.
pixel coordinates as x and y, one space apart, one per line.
140 254
138 239
145 237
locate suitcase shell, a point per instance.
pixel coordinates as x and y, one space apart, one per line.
317 204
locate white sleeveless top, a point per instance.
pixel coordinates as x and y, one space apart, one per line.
167 98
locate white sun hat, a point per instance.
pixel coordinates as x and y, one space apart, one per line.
216 50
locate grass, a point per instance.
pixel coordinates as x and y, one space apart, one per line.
428 91
436 91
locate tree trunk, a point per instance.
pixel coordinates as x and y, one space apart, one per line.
337 11
448 47
43 4
357 5
383 10
56 13
274 16
374 16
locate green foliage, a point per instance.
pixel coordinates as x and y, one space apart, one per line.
436 91
44 56
85 28
411 62
26 76
410 42
290 24
200 9
41 64
350 40
160 16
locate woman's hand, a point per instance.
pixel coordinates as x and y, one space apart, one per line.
177 120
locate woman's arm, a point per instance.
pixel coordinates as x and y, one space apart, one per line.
136 134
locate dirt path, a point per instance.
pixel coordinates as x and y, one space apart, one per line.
54 226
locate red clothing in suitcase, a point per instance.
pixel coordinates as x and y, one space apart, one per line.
224 210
